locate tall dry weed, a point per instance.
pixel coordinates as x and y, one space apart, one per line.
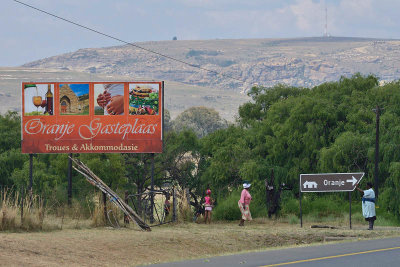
9 211
21 213
185 213
114 215
33 213
97 213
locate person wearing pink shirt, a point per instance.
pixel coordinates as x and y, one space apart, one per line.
208 207
244 204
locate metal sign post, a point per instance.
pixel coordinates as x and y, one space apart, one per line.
329 182
301 211
350 208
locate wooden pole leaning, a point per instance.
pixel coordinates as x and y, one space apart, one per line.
113 197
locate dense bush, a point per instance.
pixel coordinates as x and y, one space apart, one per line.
227 208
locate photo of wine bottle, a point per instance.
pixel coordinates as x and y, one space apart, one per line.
49 100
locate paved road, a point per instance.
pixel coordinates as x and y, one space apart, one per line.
381 252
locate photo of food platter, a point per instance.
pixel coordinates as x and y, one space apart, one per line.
144 99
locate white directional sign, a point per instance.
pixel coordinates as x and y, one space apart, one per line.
329 182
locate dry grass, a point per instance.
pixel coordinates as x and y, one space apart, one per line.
30 213
127 247
98 211
9 211
184 210
66 237
32 217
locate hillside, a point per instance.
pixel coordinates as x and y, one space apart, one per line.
178 96
300 62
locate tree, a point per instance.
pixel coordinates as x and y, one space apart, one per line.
10 147
9 161
201 120
263 98
109 167
182 163
225 151
44 183
10 131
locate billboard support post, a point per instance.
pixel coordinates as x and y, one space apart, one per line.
30 176
152 189
69 179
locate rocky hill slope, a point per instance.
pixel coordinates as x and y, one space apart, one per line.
301 62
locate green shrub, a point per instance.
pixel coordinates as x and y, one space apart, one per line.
258 206
227 208
320 206
293 219
290 206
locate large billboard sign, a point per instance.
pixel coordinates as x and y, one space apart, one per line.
92 117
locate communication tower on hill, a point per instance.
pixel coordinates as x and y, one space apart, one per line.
326 23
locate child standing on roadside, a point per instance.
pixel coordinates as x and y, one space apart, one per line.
208 206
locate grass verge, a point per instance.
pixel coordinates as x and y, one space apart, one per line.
107 246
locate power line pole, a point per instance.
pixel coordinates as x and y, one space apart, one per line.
377 111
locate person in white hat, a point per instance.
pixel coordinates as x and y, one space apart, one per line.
244 204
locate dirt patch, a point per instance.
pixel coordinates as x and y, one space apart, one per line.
110 247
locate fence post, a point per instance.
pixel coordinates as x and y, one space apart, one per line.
22 204
105 207
126 219
174 215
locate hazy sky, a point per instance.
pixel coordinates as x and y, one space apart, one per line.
27 35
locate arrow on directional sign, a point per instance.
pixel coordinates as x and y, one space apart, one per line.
353 180
329 182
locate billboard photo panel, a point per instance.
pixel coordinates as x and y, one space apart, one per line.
109 99
38 99
74 99
143 99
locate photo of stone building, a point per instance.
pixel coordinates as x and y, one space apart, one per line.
74 99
